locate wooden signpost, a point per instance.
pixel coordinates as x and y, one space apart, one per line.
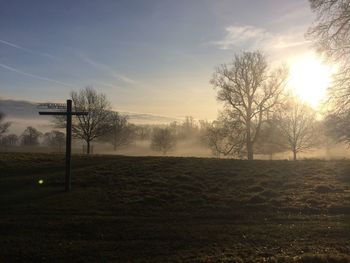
68 113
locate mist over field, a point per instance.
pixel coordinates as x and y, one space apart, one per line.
22 114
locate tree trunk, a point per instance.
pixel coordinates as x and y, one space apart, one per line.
115 143
294 155
249 143
88 147
115 140
250 154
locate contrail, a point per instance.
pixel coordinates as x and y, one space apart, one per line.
35 76
15 46
28 50
108 69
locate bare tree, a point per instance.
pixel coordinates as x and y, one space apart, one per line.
3 125
331 35
9 140
120 133
162 140
337 126
297 125
30 136
214 137
327 133
188 129
55 139
249 91
143 132
271 139
224 139
93 125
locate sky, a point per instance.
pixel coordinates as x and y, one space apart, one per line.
154 56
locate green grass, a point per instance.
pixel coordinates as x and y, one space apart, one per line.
159 209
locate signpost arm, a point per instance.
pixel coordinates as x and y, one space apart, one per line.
68 145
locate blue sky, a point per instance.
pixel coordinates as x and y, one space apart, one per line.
147 56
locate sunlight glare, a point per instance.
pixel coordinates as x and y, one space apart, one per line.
310 78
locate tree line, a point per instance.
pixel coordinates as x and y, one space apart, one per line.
292 127
259 117
103 126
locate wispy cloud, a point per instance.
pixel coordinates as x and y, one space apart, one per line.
293 12
108 85
35 76
106 68
10 44
250 37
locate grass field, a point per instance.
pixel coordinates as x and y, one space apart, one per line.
159 209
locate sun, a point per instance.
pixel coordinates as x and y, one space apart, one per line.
310 78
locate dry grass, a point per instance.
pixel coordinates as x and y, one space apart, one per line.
174 210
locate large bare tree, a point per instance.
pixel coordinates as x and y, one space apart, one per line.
95 124
297 124
331 35
249 91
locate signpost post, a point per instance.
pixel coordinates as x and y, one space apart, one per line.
68 113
